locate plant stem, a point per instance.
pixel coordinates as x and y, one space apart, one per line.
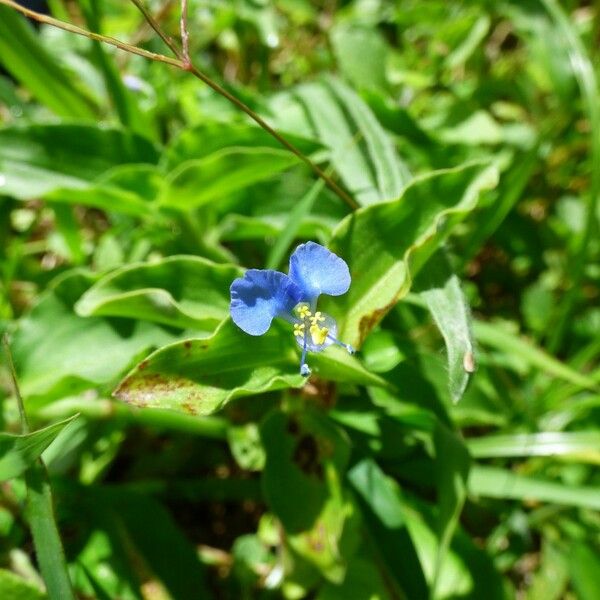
13 376
40 511
92 36
185 65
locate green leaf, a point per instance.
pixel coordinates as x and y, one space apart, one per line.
440 288
22 54
200 376
585 570
36 159
494 482
198 182
466 570
211 136
306 451
13 587
361 151
181 291
361 53
451 472
19 452
577 445
385 514
109 199
364 580
299 446
385 245
58 353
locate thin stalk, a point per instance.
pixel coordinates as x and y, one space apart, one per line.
185 65
40 511
13 376
107 410
185 36
184 59
47 20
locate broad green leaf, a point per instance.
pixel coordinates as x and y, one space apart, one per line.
385 245
440 288
385 515
35 159
200 376
113 538
584 566
575 445
198 182
179 568
466 571
181 291
58 353
19 452
109 199
361 151
209 137
363 580
361 53
298 448
306 451
494 482
13 587
552 576
22 54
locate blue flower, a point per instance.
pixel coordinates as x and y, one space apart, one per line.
261 295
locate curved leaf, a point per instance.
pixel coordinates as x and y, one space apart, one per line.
200 376
181 291
386 244
35 159
198 182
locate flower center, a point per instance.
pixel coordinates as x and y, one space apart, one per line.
318 328
314 332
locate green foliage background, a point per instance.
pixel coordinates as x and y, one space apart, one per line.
455 455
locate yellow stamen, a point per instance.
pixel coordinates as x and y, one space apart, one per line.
318 317
299 329
304 311
318 334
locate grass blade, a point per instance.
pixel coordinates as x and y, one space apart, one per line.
494 482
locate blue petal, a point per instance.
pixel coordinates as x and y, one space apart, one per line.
316 271
260 296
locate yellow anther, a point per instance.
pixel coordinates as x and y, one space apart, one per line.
298 329
304 311
318 334
318 317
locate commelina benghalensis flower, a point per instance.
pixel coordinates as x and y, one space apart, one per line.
263 294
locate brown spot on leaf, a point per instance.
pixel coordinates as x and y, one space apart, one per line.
306 456
187 344
368 322
293 427
143 365
189 408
